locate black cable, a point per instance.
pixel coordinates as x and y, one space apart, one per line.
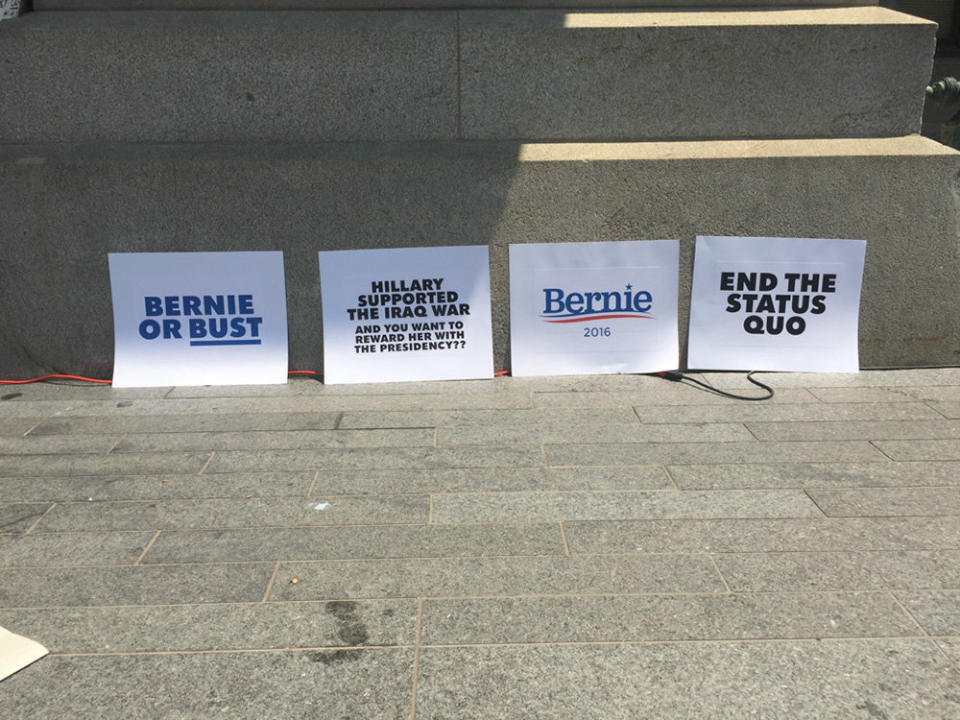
681 378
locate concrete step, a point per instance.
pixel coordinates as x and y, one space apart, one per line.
435 75
407 4
67 206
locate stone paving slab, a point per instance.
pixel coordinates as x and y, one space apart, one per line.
376 458
665 394
888 502
383 403
591 433
632 571
157 487
938 613
896 679
758 535
134 585
947 409
772 616
130 464
920 449
236 626
816 475
451 480
20 517
452 577
224 422
373 684
135 408
858 430
60 391
922 377
715 452
281 440
544 506
875 570
71 549
224 513
17 426
865 395
785 413
352 542
505 418
58 444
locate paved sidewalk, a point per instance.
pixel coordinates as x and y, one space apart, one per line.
599 547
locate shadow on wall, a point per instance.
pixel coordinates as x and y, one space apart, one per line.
312 131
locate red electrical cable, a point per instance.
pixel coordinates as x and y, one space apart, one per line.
55 377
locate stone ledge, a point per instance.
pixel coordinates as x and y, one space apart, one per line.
66 207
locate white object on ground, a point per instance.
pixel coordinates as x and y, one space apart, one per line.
16 652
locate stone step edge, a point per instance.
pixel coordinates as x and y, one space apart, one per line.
80 153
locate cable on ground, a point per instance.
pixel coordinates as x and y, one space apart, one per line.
687 380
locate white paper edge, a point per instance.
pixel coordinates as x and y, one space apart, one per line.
16 652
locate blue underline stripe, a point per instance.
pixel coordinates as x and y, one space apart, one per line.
224 342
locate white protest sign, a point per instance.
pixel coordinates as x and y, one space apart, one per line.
198 318
585 308
776 304
406 314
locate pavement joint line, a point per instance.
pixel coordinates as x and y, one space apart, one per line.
955 663
430 510
35 426
723 579
563 536
666 471
227 651
923 630
874 443
313 484
42 516
147 548
416 652
718 641
114 446
907 612
273 577
929 404
447 598
207 463
746 426
339 420
580 643
813 500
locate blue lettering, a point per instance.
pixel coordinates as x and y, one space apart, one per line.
153 306
218 327
172 305
191 305
254 323
642 297
246 304
574 304
171 329
553 300
198 328
149 329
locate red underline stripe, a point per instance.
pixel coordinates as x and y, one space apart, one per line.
602 317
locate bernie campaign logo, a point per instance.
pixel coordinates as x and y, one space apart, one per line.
560 307
209 320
